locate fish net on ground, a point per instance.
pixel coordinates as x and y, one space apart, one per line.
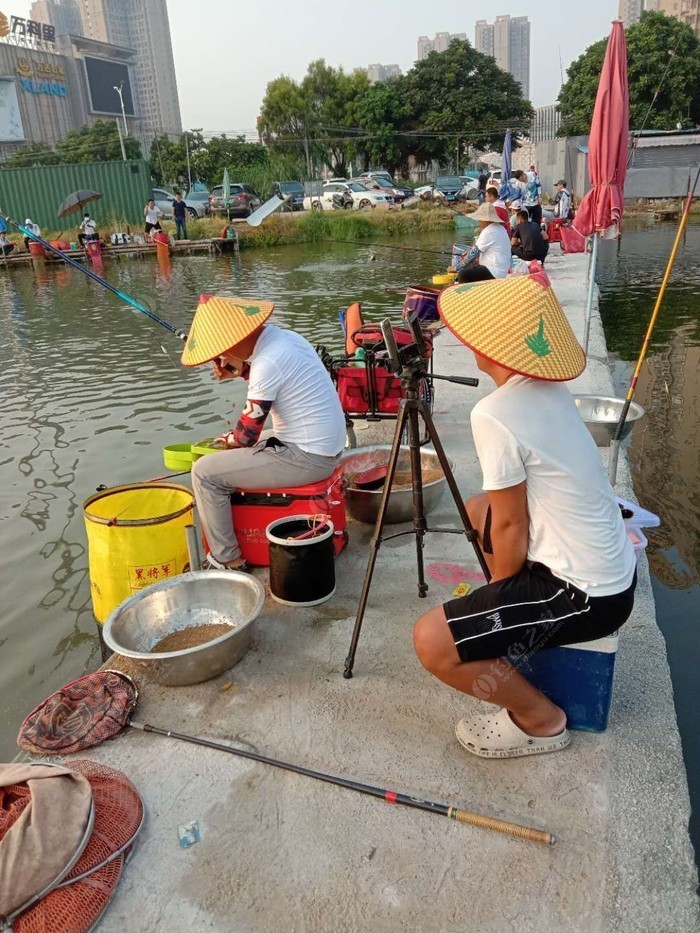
84 713
118 817
75 908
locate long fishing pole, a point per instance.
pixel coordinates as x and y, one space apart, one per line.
96 278
615 452
441 809
411 249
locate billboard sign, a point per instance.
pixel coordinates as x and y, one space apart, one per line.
11 129
103 77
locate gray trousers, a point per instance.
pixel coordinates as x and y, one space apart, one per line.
215 476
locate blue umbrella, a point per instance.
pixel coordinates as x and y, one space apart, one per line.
505 166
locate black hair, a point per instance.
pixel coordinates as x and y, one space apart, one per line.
519 173
524 214
474 273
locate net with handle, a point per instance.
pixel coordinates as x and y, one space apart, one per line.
84 713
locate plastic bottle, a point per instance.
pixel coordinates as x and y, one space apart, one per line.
360 357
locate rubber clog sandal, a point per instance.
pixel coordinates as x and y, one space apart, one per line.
495 735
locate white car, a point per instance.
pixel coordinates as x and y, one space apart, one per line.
164 202
362 198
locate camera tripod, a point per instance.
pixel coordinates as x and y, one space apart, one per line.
410 364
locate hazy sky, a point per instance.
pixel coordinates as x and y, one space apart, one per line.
227 50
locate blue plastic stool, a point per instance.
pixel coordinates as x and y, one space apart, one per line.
579 678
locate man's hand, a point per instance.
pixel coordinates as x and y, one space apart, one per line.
223 370
510 530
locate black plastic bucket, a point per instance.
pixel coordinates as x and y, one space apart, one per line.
302 573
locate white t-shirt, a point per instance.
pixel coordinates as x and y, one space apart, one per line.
152 215
530 430
88 226
494 245
286 370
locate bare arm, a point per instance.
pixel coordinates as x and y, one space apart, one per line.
510 530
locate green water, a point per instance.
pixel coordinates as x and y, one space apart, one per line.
90 392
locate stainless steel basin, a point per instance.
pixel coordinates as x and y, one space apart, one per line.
601 414
363 504
211 597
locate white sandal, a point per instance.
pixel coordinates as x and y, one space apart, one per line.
495 735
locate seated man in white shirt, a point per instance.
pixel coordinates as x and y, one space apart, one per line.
288 382
551 531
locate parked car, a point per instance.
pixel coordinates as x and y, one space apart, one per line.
470 188
164 202
198 199
362 197
379 183
378 174
294 190
242 202
447 187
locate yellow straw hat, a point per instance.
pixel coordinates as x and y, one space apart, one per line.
516 322
220 324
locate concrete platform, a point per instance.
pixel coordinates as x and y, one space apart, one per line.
283 852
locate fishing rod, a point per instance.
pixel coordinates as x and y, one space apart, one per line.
96 278
615 452
412 249
441 809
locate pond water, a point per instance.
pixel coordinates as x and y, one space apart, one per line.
90 392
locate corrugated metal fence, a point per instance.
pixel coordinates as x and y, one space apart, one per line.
38 192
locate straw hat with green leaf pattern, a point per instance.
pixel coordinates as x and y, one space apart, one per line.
220 324
516 322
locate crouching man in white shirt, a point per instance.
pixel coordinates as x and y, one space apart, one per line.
563 569
288 382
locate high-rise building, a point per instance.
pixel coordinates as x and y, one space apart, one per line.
630 11
63 14
546 124
507 40
378 73
141 25
687 11
440 43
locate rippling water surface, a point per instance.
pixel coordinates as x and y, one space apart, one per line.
90 392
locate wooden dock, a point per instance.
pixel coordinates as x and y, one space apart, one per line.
670 213
213 245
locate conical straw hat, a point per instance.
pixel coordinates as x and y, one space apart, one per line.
516 322
486 212
220 324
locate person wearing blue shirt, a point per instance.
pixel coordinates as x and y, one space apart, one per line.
180 216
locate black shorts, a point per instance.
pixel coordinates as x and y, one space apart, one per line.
150 227
531 611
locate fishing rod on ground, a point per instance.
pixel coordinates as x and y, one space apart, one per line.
441 809
617 439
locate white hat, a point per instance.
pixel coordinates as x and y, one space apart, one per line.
488 213
516 205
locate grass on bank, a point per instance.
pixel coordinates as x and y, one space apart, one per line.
301 227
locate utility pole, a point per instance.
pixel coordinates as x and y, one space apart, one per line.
120 92
187 150
121 139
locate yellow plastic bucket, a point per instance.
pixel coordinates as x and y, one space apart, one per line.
445 278
136 537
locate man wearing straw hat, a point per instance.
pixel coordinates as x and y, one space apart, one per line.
287 381
563 569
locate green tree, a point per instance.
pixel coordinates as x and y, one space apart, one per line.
36 154
313 118
97 143
382 111
460 91
657 47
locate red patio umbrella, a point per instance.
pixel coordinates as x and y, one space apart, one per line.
601 209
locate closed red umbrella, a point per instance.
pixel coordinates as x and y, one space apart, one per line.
601 209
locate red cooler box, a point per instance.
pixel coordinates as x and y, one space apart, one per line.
254 509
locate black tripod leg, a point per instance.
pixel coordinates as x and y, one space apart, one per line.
376 538
419 522
454 489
